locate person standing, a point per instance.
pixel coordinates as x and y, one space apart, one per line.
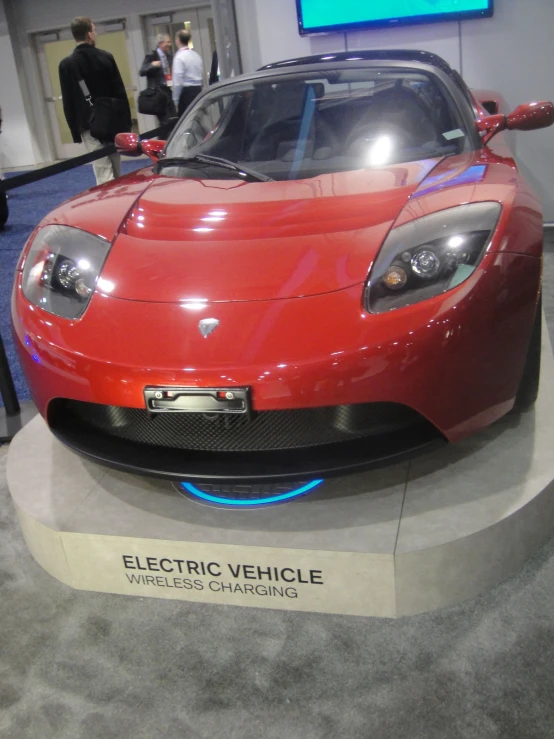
98 70
187 73
156 67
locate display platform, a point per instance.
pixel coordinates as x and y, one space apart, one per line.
390 542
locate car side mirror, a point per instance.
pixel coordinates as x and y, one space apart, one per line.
531 116
153 148
128 144
490 125
526 117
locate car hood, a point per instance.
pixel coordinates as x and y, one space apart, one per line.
227 240
100 210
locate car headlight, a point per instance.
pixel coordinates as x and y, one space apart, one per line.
62 268
430 255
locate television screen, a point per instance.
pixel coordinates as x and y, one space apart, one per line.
329 15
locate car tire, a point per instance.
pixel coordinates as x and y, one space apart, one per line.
529 385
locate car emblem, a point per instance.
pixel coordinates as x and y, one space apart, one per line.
207 325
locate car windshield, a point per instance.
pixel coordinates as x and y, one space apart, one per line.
295 126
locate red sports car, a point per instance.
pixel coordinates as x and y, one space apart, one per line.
328 264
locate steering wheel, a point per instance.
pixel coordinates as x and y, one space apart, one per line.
265 142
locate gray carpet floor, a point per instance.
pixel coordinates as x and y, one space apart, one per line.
77 665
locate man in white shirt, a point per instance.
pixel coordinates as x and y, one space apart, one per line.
187 73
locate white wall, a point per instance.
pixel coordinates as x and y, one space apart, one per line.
513 52
440 38
40 15
268 31
16 147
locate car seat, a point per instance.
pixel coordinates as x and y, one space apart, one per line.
397 112
278 136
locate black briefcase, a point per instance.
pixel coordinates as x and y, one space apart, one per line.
153 101
109 117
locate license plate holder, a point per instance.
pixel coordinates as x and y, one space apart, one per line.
235 400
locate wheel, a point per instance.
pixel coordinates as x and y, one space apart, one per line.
529 385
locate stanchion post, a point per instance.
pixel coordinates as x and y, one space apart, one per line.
7 388
12 416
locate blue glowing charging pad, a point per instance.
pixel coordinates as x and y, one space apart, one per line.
249 495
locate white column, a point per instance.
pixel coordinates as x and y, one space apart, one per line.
16 144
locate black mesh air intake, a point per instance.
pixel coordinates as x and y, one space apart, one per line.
264 431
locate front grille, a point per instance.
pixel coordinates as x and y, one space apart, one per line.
263 431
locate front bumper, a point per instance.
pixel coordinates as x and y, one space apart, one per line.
79 427
455 361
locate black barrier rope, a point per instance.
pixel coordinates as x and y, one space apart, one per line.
39 174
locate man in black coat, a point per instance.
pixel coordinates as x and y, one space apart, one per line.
99 71
156 67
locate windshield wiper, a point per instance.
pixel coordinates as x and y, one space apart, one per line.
217 161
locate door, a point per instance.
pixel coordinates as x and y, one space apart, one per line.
51 48
197 21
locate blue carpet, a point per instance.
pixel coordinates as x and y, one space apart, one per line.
28 205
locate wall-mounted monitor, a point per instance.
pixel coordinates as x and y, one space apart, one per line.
317 16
